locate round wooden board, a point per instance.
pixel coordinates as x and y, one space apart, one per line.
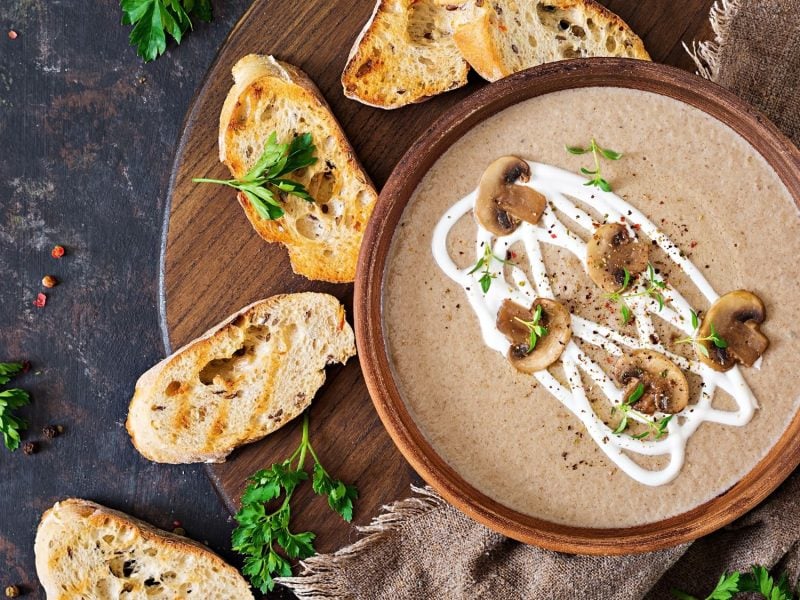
213 263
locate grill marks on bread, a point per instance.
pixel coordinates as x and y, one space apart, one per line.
239 382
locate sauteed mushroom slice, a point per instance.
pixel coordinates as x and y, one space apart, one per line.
735 318
517 322
665 387
501 204
612 250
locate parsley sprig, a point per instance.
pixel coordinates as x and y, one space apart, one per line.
264 183
597 151
656 428
10 400
757 580
260 531
152 20
485 262
653 290
535 331
697 342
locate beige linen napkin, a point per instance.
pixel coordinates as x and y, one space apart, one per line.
423 548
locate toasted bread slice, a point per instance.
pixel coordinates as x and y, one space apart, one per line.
323 237
405 54
84 550
506 36
240 381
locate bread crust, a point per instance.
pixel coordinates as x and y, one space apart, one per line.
260 83
217 445
477 39
369 66
53 547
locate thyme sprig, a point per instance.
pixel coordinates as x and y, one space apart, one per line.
697 342
656 428
535 331
653 290
485 262
597 151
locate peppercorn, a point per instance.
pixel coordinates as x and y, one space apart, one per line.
179 531
29 448
49 281
177 523
12 35
57 251
12 591
60 429
41 300
50 432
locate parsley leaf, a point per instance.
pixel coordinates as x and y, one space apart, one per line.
152 20
10 424
10 400
758 580
9 370
264 184
261 535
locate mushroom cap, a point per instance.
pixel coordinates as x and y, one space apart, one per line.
555 317
735 317
501 204
612 250
665 387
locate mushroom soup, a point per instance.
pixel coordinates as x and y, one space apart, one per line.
594 357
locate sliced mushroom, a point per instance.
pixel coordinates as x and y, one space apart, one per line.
501 204
612 250
735 317
548 348
665 388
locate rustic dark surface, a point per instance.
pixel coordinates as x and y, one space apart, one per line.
87 134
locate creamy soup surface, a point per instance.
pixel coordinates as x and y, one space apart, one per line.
704 187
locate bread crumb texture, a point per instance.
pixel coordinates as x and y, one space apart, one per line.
323 237
85 551
406 54
242 380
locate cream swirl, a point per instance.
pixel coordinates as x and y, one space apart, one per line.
558 185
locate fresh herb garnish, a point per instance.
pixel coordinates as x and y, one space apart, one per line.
264 183
10 400
535 331
657 428
485 262
597 151
260 531
152 20
758 581
653 290
697 342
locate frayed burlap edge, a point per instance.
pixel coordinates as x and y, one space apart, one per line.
318 579
706 54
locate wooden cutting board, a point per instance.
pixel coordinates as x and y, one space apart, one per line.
214 263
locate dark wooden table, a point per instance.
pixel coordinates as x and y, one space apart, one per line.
87 135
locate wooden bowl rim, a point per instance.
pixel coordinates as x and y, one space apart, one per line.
712 99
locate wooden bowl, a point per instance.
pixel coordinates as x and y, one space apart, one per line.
708 97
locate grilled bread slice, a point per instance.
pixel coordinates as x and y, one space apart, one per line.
240 381
84 550
323 238
506 36
405 53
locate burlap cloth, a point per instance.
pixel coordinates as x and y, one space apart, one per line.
423 548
